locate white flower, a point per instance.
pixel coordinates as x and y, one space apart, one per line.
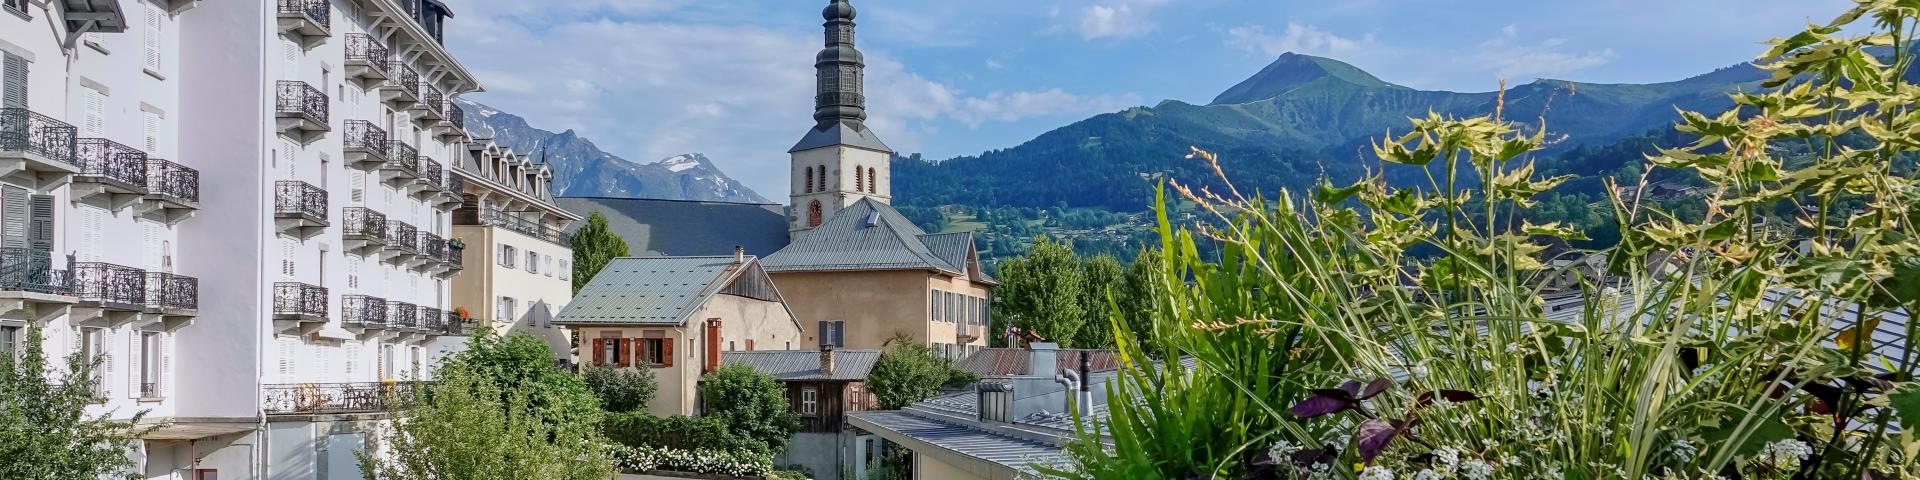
1447 459
1476 469
1784 454
1420 370
1281 449
1684 450
1376 472
1427 474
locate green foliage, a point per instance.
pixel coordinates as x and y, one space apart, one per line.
1134 297
640 429
752 405
524 363
1042 292
593 247
734 464
45 432
909 372
620 390
464 425
1102 277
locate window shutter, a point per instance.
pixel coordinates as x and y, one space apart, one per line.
599 350
137 363
291 66
13 81
840 333
40 223
90 238
625 353
666 352
151 37
359 187
94 120
166 365
150 241
825 333
13 207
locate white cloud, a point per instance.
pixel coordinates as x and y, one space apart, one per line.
1510 57
1117 18
1016 106
1298 38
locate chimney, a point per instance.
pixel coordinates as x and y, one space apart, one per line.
1042 361
739 254
826 359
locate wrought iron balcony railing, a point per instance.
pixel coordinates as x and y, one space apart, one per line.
431 97
457 326
297 99
403 158
168 291
110 285
430 172
402 236
317 11
31 270
402 315
457 116
433 246
405 78
107 161
294 299
364 223
432 320
333 398
172 180
364 49
26 131
363 310
497 218
299 200
363 137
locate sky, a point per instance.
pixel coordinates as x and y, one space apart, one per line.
650 79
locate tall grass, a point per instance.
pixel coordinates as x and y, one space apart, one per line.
1719 348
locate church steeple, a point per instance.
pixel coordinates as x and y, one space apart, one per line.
839 161
841 70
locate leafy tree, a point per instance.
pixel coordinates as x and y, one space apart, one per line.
45 432
620 390
1135 294
523 363
467 426
1042 291
1103 276
909 372
752 405
593 247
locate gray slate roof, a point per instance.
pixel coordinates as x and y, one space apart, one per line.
840 134
685 228
794 365
846 243
648 290
1012 453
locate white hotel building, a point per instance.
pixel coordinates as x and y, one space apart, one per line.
244 205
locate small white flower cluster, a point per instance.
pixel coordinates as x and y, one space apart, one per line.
1376 472
646 459
1784 454
1476 469
1683 450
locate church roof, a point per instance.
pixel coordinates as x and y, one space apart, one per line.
867 235
651 290
957 249
839 133
684 227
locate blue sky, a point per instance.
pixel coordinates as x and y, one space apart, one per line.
649 79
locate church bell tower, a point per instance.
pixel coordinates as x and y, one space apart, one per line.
839 161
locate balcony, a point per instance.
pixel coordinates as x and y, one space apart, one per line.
403 165
433 322
453 262
172 299
433 253
299 208
432 106
172 189
336 398
113 294
456 326
301 110
494 217
430 183
27 278
111 175
401 246
364 312
454 195
403 89
309 21
455 123
299 304
364 230
37 145
367 59
402 317
365 146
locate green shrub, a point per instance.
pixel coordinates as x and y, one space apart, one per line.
752 405
646 459
908 372
640 429
620 390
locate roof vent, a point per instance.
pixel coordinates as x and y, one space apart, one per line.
873 219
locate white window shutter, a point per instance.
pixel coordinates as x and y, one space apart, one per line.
151 38
290 65
286 359
166 365
323 356
151 122
359 188
150 240
13 81
287 160
94 120
286 259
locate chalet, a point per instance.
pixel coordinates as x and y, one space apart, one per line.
823 387
676 316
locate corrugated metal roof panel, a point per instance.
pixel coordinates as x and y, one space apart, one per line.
1001 362
791 365
647 291
845 242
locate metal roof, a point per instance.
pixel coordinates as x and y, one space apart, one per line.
1001 362
846 243
839 133
649 290
795 365
1009 453
656 227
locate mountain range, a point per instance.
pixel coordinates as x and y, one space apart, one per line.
582 169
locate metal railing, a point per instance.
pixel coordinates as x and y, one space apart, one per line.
403 157
173 180
435 101
432 320
172 292
108 283
362 135
149 390
497 218
364 222
457 326
454 259
329 398
299 299
433 246
365 49
430 171
402 315
23 130
109 161
293 198
298 99
363 310
402 236
457 116
31 270
315 10
404 77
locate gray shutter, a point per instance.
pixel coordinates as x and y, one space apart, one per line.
826 332
13 217
840 334
13 93
40 223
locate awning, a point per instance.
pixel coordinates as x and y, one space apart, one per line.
197 430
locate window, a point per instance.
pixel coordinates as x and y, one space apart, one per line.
505 311
822 179
809 400
833 333
13 77
808 187
730 346
873 180
93 344
10 341
566 270
814 214
94 114
609 351
934 301
859 179
150 370
508 255
652 351
151 37
18 6
533 262
548 269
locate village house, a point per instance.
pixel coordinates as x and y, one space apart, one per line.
823 386
675 316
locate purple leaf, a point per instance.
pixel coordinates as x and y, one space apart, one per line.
1308 458
1455 396
1378 385
1373 436
1318 405
1334 393
1352 387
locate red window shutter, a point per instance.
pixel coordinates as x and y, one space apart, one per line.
749 344
666 352
599 347
626 352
